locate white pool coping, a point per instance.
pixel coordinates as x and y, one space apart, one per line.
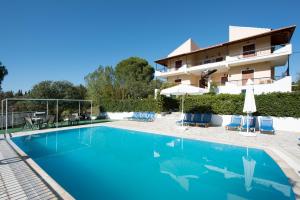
287 164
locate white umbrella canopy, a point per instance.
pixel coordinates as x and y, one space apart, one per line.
249 104
183 89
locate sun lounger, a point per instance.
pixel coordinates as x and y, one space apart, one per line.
266 125
251 123
143 116
197 118
135 116
206 119
235 123
30 124
73 120
50 120
187 119
151 116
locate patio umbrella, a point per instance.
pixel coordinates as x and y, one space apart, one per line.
183 89
249 104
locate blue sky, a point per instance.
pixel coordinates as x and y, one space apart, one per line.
67 39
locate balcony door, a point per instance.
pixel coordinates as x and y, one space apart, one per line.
178 64
249 50
224 79
247 74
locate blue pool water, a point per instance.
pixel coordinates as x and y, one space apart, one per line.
117 164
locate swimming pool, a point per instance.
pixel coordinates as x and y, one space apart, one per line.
118 164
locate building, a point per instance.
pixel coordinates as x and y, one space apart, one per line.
250 53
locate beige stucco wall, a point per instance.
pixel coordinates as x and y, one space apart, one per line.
262 72
216 77
238 32
186 79
262 46
171 62
185 47
197 59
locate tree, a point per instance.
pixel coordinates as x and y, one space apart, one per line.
57 90
19 93
297 83
101 84
133 76
3 73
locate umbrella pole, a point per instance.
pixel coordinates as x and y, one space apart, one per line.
247 123
182 117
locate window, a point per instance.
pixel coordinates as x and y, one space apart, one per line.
249 50
178 81
219 59
224 79
178 64
207 61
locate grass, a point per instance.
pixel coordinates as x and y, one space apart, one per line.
60 124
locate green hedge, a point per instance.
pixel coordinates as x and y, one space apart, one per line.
161 104
168 103
273 104
130 105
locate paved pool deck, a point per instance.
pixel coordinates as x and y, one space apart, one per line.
18 180
283 147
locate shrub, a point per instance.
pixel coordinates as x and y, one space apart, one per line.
168 103
273 104
130 105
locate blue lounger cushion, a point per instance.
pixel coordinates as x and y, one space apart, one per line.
186 120
197 118
235 122
251 122
266 125
206 119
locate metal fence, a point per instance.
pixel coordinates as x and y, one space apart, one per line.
10 119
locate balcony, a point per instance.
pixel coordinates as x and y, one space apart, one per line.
256 81
278 55
261 85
